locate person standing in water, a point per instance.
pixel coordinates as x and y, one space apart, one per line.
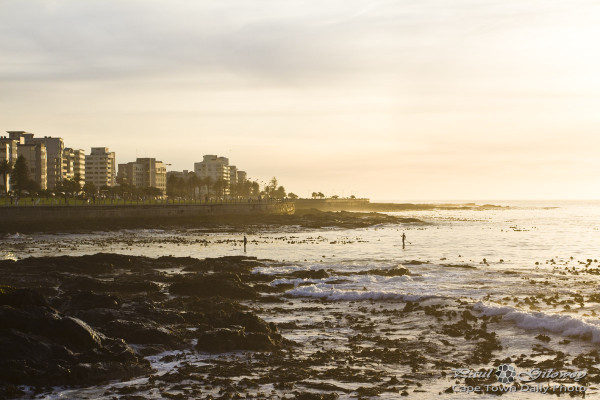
245 243
403 239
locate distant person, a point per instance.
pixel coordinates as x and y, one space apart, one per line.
245 242
403 239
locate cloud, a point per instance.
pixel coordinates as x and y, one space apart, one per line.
379 86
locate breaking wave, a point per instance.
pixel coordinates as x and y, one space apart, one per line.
563 325
330 293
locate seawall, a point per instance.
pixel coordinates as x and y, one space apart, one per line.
66 218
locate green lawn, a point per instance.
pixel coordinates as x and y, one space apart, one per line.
60 201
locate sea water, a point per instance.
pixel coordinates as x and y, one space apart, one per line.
494 258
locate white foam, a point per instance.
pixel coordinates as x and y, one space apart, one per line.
295 281
563 325
16 236
369 281
331 293
273 270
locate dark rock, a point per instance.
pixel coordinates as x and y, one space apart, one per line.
84 283
98 317
141 332
231 339
397 271
310 274
225 285
42 347
100 302
235 264
21 297
316 396
119 285
87 300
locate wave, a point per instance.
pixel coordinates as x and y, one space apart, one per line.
345 280
563 325
16 235
331 293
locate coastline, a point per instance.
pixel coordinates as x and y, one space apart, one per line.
361 316
310 218
112 325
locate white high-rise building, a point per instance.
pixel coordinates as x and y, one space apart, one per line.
145 172
74 164
232 175
54 153
8 152
35 155
100 167
216 168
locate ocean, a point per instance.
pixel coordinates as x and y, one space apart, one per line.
531 269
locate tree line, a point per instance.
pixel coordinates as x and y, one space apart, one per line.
21 182
191 186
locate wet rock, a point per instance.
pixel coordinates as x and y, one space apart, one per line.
316 396
543 338
84 283
41 346
86 300
118 285
230 339
235 264
310 274
225 285
141 332
13 297
397 271
411 306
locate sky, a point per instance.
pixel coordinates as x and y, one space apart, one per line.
396 100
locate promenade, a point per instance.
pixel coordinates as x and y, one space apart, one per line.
75 216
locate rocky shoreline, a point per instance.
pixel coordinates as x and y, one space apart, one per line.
226 328
308 218
72 321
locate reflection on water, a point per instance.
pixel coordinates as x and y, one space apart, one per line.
534 265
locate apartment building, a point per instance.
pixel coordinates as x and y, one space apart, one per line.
144 172
232 176
36 157
54 154
73 164
8 152
100 167
179 174
214 167
242 176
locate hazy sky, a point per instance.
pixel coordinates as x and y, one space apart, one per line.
408 99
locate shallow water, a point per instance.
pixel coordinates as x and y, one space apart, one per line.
539 273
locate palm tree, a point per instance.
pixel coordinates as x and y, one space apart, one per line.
193 182
20 174
5 171
220 187
255 188
208 183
